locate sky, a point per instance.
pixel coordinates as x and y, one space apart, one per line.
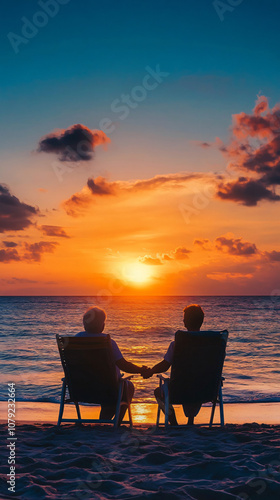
140 148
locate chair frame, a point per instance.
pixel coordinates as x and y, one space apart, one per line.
163 384
79 420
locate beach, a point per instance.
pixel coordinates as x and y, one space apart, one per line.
86 462
238 461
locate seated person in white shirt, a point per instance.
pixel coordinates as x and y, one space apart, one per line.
193 319
94 324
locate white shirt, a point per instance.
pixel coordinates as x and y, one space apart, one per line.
170 353
117 355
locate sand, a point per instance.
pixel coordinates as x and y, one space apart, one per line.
86 462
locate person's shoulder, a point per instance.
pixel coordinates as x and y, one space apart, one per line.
81 334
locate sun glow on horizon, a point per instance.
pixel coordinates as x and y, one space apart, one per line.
137 273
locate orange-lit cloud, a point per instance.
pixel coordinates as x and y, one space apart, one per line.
28 252
235 246
56 231
254 150
100 187
181 253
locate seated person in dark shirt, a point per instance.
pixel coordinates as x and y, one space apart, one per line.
94 324
193 319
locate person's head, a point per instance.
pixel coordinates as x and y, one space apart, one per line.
94 320
193 317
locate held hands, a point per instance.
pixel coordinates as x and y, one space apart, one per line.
146 372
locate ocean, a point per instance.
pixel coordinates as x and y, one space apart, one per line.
143 327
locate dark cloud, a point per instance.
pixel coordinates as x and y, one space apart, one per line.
101 187
254 150
273 256
28 252
34 251
56 231
14 214
235 246
77 143
246 191
9 244
9 255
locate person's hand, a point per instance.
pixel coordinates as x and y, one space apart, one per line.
146 372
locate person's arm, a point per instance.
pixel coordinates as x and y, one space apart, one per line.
161 367
128 367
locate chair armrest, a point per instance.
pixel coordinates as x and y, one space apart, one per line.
126 378
162 378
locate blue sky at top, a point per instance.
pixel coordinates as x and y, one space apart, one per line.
92 52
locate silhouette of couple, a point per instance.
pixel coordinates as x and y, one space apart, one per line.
94 324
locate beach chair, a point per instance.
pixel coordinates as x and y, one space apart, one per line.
196 372
90 377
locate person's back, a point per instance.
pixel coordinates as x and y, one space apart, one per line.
94 323
193 319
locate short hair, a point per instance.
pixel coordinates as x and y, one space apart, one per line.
193 317
94 320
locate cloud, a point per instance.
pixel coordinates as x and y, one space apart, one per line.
13 281
34 251
56 231
99 187
222 276
272 256
254 151
246 191
181 253
202 244
235 246
28 252
150 261
76 143
9 244
9 255
165 256
14 214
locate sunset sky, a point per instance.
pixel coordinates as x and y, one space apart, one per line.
140 148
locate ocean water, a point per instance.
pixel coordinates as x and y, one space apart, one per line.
143 328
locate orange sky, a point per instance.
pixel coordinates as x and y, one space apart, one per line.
165 235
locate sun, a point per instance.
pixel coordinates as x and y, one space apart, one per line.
136 273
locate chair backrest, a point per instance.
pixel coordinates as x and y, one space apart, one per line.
197 366
89 368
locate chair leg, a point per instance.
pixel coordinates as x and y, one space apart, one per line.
212 413
62 399
221 407
78 411
118 407
158 416
129 416
166 407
